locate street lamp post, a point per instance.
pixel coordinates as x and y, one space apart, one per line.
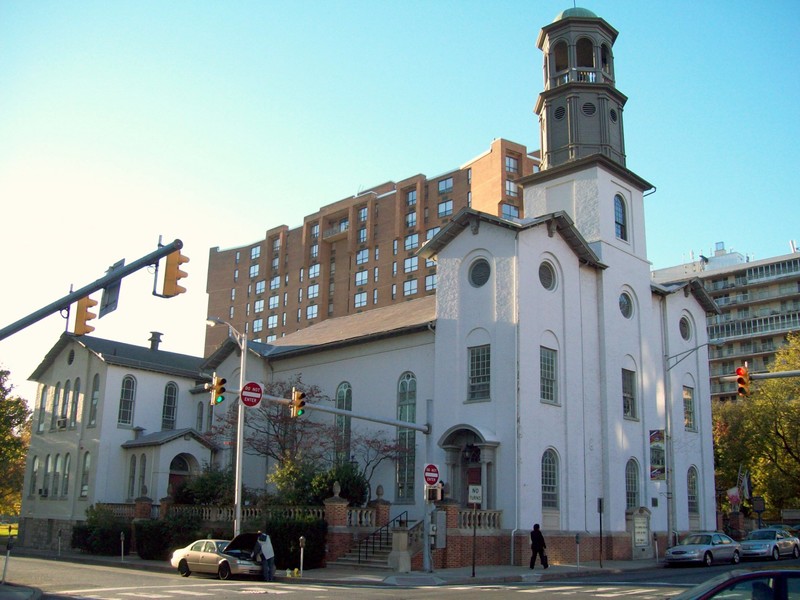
669 471
241 339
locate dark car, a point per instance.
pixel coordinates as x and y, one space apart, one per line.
221 557
772 584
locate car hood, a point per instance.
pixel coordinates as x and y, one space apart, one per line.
687 548
243 542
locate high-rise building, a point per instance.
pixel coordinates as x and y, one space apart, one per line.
358 253
759 302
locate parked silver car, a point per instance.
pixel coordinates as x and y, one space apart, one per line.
221 557
770 543
704 548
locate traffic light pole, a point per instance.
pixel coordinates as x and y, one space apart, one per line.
112 277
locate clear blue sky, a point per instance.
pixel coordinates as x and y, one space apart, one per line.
215 121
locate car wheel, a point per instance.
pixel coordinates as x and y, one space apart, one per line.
708 559
183 569
796 552
736 558
224 571
775 554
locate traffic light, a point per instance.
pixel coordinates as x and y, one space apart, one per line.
297 403
743 381
217 389
172 273
82 315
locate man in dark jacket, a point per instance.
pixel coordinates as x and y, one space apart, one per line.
538 546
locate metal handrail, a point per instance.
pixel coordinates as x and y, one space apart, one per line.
379 537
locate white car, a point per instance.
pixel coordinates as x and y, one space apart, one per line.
770 543
705 548
223 557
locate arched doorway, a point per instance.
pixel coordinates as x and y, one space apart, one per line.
470 457
180 468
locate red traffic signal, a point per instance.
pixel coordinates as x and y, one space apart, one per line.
743 381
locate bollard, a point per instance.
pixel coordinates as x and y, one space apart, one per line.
9 546
578 549
302 549
122 546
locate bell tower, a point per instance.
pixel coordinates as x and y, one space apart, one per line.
580 109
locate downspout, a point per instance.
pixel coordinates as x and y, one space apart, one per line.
516 399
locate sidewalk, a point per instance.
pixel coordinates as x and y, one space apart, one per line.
346 576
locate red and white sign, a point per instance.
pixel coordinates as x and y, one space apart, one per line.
251 394
431 474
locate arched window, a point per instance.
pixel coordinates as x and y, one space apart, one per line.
620 218
127 397
584 51
73 407
406 438
560 57
605 58
42 409
199 421
65 482
170 406
691 491
62 410
48 465
56 396
95 399
87 465
132 478
632 484
57 475
143 475
344 401
550 480
34 476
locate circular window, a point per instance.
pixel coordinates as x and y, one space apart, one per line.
614 116
625 305
685 328
479 272
71 357
560 112
547 276
589 109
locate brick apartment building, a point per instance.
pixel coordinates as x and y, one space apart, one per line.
358 253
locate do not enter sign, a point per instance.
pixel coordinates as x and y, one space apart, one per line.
431 474
251 394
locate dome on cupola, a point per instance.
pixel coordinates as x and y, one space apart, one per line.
584 13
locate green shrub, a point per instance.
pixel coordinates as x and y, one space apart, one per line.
285 535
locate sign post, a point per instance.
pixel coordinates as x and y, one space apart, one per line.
430 474
475 498
251 394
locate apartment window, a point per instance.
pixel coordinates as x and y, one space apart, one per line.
394 291
272 322
314 253
261 286
258 306
276 245
548 378
362 278
511 188
446 185
377 253
255 252
629 394
313 291
411 198
360 299
275 263
411 219
550 480
170 408
689 414
620 218
315 230
411 241
410 264
375 296
375 275
512 164
692 491
394 268
313 271
410 287
362 214
312 311
236 274
302 274
274 302
479 372
271 338
362 256
632 485
394 247
430 282
344 224
300 295
253 271
445 208
510 211
431 232
406 438
362 235
258 325
127 397
275 283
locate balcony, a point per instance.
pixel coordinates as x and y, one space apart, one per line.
336 233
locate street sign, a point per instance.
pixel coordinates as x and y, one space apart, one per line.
475 494
431 474
251 394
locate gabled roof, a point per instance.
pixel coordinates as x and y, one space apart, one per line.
126 355
557 222
692 286
159 438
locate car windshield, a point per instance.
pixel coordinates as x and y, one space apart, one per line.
221 545
696 539
762 534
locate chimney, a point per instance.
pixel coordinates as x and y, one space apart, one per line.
155 339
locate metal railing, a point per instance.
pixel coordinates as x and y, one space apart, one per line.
380 537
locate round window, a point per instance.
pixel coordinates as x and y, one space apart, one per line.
625 305
547 276
479 272
685 328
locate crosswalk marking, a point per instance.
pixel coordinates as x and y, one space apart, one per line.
628 592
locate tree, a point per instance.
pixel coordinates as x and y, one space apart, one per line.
15 436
